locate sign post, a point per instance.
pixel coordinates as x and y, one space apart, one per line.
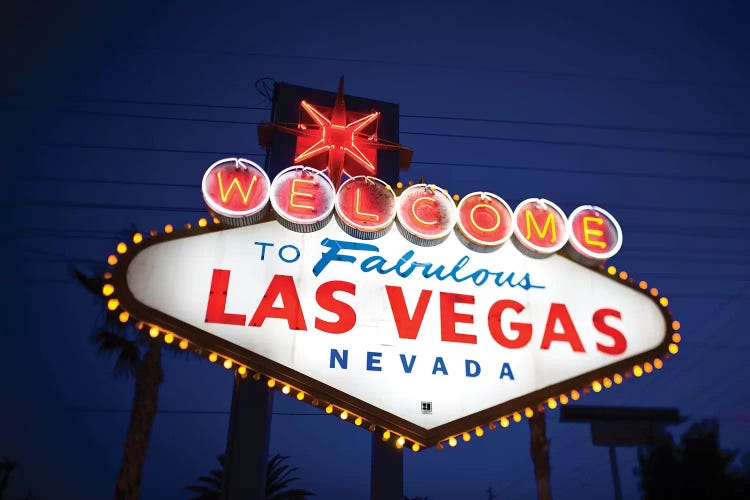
618 426
386 471
246 456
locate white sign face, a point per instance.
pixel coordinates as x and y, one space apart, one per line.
428 334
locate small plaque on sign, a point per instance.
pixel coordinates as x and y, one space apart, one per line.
426 407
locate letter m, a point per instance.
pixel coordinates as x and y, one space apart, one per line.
549 223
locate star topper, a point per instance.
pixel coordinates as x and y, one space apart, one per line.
337 140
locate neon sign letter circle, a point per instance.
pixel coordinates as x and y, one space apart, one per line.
594 232
540 226
236 190
426 213
302 198
485 219
366 207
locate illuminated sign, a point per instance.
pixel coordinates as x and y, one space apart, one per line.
427 332
236 190
485 219
349 138
540 226
427 213
303 198
366 205
594 232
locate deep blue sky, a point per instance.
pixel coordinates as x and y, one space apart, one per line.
671 78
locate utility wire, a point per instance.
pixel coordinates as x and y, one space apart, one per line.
583 144
54 232
523 140
17 409
526 169
457 67
556 124
31 178
119 114
695 231
587 126
112 100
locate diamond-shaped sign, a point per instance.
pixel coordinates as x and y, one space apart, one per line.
424 342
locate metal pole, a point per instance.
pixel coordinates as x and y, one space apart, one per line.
246 457
386 471
615 473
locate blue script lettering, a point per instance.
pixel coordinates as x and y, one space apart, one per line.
405 267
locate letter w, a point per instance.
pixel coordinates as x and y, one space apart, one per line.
407 326
235 183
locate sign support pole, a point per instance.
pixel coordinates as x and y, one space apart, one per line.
246 457
386 471
615 473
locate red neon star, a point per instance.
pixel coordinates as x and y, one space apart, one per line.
337 140
341 140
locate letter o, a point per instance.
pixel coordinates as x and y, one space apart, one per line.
293 259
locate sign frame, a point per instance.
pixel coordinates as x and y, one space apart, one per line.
349 407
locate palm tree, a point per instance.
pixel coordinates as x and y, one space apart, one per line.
540 455
137 356
278 480
6 467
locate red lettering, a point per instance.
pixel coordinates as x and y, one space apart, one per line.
291 310
346 315
217 301
599 323
449 317
496 330
407 326
558 312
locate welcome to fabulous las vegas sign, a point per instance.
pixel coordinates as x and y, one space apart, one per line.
394 307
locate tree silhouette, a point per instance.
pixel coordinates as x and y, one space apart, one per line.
137 356
539 447
695 468
278 480
6 468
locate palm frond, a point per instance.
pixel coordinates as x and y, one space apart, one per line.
277 482
126 350
279 478
214 481
92 282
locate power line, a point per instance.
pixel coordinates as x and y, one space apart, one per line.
583 171
585 126
523 140
55 232
458 67
113 410
499 121
693 231
132 115
618 206
526 169
111 100
582 144
108 147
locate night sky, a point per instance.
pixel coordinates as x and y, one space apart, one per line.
110 116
